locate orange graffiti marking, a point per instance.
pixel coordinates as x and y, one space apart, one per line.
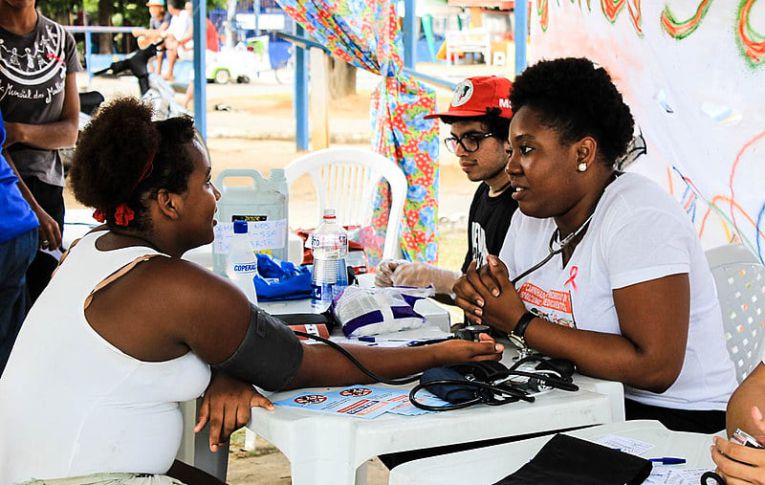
733 204
669 182
682 29
752 42
611 9
734 168
543 10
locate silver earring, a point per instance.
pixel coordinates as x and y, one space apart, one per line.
582 167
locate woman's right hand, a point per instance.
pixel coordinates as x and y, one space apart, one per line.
227 405
456 351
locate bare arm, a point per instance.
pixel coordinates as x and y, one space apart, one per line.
51 136
216 316
750 393
653 319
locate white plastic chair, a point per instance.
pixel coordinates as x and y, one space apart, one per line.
346 179
740 280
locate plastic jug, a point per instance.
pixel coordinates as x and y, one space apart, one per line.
260 201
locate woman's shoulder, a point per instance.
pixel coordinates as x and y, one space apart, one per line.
632 193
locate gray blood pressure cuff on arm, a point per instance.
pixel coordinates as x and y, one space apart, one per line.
269 355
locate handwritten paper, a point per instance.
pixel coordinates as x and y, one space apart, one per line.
627 445
664 475
262 234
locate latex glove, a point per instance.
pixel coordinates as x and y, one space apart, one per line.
384 271
423 274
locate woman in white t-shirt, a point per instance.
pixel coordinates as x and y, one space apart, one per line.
598 267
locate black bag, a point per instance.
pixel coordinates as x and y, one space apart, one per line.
566 460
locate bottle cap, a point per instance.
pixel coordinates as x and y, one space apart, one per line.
240 227
329 213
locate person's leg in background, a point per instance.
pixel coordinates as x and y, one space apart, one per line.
51 198
171 47
15 257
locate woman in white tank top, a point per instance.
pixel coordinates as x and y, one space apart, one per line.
127 329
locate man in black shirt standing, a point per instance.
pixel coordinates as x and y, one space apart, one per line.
479 116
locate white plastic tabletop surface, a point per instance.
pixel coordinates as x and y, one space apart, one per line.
491 464
326 449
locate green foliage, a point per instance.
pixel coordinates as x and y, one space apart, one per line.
125 12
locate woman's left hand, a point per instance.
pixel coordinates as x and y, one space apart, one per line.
226 405
741 464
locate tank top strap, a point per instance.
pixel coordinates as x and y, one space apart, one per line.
116 275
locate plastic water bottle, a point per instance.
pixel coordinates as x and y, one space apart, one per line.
242 264
329 246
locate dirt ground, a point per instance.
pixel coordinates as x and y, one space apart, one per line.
257 131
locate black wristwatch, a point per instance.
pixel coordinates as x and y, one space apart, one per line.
517 335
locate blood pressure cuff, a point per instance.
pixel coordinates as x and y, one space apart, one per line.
269 355
573 461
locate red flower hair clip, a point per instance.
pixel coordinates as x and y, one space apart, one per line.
123 215
99 215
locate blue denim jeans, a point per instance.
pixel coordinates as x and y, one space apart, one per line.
15 257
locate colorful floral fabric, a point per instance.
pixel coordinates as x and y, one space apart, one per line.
366 34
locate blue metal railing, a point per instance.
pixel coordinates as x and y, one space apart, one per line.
89 30
200 31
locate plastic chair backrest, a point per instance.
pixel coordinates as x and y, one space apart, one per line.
346 179
740 280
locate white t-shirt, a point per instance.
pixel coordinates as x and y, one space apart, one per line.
180 25
638 233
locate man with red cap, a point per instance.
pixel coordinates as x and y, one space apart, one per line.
479 117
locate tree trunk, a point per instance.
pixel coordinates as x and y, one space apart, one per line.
105 10
342 79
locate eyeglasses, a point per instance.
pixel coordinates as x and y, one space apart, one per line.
470 142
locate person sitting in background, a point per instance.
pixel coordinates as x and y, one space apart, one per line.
737 463
18 246
158 23
479 116
127 329
213 47
178 36
599 267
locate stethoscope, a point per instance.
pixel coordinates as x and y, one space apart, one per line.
553 251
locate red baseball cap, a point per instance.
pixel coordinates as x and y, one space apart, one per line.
475 96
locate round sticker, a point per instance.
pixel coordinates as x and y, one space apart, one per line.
310 399
462 93
356 391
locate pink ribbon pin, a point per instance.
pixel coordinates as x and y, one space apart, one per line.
572 277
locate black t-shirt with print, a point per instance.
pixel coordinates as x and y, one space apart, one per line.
488 221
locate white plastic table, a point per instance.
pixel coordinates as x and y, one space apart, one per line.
491 464
333 450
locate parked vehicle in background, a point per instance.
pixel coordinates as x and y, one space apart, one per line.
245 61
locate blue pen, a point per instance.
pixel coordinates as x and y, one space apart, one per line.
668 460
